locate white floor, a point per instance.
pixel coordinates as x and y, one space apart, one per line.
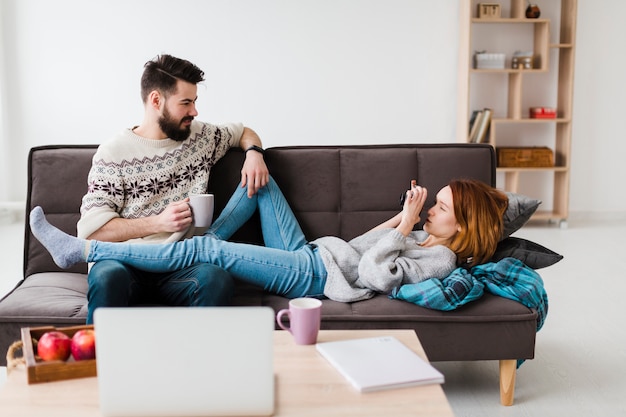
580 362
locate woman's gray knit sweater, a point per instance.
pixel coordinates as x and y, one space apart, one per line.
379 261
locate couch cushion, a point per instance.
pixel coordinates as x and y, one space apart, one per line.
58 296
532 254
518 212
56 299
497 327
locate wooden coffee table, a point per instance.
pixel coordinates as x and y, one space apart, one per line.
306 385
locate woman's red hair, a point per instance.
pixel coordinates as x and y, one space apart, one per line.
479 211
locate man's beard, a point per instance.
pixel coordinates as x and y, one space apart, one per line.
172 128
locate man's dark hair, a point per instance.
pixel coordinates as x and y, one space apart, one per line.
162 72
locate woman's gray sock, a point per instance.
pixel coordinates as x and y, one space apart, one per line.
66 250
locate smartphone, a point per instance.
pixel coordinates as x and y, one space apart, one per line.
403 196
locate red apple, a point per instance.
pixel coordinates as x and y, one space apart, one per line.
54 346
84 345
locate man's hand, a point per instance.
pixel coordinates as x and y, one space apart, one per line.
175 218
254 172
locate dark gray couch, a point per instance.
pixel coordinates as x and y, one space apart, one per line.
333 190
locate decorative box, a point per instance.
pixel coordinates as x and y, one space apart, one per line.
42 371
522 60
542 113
489 11
525 157
483 60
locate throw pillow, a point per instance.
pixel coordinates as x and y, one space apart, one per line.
518 212
532 254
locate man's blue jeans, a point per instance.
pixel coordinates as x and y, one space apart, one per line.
115 284
287 265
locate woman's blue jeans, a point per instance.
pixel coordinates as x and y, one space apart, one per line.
287 265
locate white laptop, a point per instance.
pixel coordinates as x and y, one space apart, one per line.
185 361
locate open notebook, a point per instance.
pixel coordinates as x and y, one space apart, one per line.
378 363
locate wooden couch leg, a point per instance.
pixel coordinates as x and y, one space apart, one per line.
507 381
508 370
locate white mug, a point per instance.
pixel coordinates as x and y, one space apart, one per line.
201 209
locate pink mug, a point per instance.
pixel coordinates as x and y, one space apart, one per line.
304 319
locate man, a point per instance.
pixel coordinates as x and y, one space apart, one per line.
139 184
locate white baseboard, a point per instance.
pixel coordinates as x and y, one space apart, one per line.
11 212
595 215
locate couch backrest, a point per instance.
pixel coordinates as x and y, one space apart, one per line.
333 190
346 190
57 181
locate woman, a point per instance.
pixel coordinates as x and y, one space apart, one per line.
463 228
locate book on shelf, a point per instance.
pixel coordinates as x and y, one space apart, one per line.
474 121
377 363
480 127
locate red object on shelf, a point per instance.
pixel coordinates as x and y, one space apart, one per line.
542 113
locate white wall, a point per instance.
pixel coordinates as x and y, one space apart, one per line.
599 134
5 167
298 72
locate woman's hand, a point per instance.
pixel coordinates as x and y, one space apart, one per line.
410 214
413 205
